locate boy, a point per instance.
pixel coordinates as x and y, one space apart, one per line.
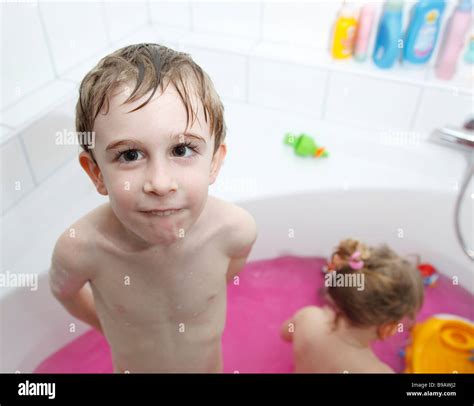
157 255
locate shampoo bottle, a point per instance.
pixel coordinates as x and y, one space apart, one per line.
388 39
423 30
344 33
469 55
363 32
455 34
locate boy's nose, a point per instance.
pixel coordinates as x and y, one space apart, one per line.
160 181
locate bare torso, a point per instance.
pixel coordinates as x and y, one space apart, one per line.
162 310
319 347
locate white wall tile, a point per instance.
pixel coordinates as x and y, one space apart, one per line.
370 102
15 174
56 203
279 51
222 42
239 18
176 13
26 64
227 71
439 108
302 23
44 146
77 73
145 34
123 18
32 106
75 31
169 36
290 87
5 132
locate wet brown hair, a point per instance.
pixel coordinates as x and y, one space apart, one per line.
150 66
393 287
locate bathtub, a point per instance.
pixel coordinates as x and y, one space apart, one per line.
33 325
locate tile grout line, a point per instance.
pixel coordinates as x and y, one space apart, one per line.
416 110
326 95
191 16
28 162
48 42
106 24
148 7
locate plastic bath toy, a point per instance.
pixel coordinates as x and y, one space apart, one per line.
441 344
428 273
304 145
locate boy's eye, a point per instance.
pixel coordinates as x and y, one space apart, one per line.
129 156
184 150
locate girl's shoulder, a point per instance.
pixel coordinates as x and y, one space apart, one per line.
312 325
313 314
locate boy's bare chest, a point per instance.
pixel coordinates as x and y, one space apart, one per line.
156 289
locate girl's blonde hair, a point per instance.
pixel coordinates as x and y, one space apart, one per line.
393 287
150 66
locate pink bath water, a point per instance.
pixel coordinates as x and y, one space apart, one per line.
270 291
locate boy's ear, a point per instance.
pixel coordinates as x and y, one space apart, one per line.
216 163
93 170
387 330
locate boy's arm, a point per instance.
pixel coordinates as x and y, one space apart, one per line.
243 236
68 279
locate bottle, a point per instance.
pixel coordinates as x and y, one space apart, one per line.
363 32
344 33
388 39
469 55
455 34
423 30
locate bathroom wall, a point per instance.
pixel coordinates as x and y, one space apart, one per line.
271 54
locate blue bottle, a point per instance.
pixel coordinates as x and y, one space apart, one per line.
389 34
422 33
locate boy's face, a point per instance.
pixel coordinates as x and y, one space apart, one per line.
147 163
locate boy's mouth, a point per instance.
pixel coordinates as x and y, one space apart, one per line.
161 213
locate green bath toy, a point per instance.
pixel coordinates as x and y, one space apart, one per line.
304 145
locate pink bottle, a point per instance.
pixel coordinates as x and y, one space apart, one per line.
366 19
455 35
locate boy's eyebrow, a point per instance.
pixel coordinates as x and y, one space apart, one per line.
192 135
116 144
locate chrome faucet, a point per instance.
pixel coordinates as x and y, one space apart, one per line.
463 138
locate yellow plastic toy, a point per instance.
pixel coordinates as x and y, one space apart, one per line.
441 344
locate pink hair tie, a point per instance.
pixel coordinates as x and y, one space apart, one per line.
355 262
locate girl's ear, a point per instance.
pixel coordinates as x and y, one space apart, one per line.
93 170
217 161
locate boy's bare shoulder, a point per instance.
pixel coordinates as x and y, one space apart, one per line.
235 225
75 246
